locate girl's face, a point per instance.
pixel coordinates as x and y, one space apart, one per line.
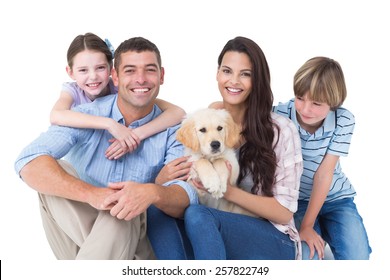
310 114
235 77
91 72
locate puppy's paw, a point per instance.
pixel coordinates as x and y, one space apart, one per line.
213 185
217 194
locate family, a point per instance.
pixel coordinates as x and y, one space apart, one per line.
112 177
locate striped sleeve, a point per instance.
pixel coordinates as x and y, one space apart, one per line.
342 135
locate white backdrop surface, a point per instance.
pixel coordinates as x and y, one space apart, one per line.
35 36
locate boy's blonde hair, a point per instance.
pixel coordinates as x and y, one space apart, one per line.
323 79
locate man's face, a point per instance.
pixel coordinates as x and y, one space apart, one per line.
138 79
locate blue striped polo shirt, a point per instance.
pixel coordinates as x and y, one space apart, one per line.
333 137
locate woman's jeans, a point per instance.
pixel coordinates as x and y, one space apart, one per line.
167 236
341 226
219 235
216 235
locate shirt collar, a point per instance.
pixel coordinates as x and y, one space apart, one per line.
117 115
328 125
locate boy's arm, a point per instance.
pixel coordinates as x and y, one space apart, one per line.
171 115
321 185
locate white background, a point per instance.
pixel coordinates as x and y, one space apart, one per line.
35 36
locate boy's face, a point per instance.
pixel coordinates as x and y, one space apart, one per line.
138 78
310 114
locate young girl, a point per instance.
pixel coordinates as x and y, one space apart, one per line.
326 210
89 64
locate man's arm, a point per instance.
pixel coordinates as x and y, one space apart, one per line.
46 176
172 200
132 199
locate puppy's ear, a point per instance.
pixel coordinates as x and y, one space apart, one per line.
186 134
232 132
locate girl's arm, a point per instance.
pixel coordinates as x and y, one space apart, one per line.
321 184
172 115
61 114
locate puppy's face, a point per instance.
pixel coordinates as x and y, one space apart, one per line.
209 132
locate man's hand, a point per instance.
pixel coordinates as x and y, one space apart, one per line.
98 196
129 199
177 169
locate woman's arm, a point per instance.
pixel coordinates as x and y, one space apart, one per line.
266 207
216 105
172 115
279 208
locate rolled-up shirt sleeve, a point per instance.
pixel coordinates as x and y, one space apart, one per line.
191 192
175 150
55 142
290 164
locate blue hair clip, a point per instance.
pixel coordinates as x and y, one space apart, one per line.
109 45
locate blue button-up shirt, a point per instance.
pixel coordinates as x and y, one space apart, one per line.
85 149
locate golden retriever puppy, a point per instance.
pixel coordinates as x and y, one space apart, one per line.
209 136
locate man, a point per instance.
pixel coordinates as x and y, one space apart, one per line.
101 214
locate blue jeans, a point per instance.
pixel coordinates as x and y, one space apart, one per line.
219 235
341 226
167 236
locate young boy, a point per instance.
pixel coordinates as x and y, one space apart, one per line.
326 210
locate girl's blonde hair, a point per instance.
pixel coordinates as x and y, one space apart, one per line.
323 79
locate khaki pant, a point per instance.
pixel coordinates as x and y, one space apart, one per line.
76 230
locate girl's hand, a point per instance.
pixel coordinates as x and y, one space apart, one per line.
124 141
116 149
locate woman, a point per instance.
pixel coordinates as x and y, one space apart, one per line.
270 168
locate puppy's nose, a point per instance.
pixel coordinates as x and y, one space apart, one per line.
215 145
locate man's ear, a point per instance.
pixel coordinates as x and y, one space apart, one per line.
162 70
114 76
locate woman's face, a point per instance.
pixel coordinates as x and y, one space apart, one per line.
234 77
